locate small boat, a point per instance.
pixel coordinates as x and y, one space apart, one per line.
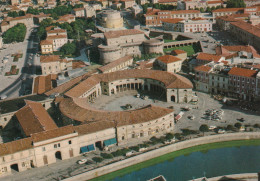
158 178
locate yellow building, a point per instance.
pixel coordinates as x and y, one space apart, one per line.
46 46
168 63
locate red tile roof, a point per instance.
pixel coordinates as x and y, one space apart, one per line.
242 72
118 33
203 68
177 52
254 30
33 118
174 20
168 59
115 63
208 57
228 10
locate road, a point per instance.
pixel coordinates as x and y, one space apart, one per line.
13 89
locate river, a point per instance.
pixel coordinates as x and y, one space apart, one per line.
212 163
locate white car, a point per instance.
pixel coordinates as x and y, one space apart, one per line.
221 131
129 153
212 127
82 161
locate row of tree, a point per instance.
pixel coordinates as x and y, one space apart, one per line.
236 4
55 12
75 30
157 6
15 34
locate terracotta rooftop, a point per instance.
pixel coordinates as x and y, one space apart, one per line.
208 57
93 127
247 27
33 118
228 10
170 80
46 42
15 146
78 9
67 85
54 133
214 2
118 33
115 63
185 11
167 1
66 17
242 72
57 30
78 109
168 59
203 68
52 37
174 20
178 51
50 58
43 83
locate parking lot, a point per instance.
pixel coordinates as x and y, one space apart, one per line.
227 115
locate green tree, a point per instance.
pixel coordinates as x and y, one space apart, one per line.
15 34
21 13
31 10
238 125
12 14
208 9
202 10
204 128
69 48
236 4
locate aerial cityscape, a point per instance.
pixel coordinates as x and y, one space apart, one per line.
129 90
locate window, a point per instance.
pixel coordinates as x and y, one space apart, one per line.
70 142
5 119
3 159
43 149
23 164
57 145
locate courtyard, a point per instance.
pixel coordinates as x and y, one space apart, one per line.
230 116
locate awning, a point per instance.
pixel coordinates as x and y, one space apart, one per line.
84 149
91 147
87 148
110 142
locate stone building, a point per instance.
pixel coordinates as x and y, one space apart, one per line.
154 17
168 63
110 19
242 83
52 64
247 33
202 77
181 54
127 42
119 64
10 22
193 25
226 11
173 87
56 38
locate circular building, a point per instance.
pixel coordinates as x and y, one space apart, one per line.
111 19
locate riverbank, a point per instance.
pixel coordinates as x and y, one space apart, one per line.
202 148
167 152
244 176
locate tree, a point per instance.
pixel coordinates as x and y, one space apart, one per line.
202 10
230 127
12 14
208 9
69 48
15 34
204 128
21 13
236 4
31 10
238 125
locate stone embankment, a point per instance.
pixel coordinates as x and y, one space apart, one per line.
161 151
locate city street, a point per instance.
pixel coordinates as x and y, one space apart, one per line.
12 86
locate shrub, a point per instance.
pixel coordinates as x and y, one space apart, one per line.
97 159
177 136
256 126
145 145
106 155
169 136
230 127
120 152
135 148
238 125
186 132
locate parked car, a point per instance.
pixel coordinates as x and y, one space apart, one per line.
221 131
2 97
130 153
82 161
212 127
142 149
